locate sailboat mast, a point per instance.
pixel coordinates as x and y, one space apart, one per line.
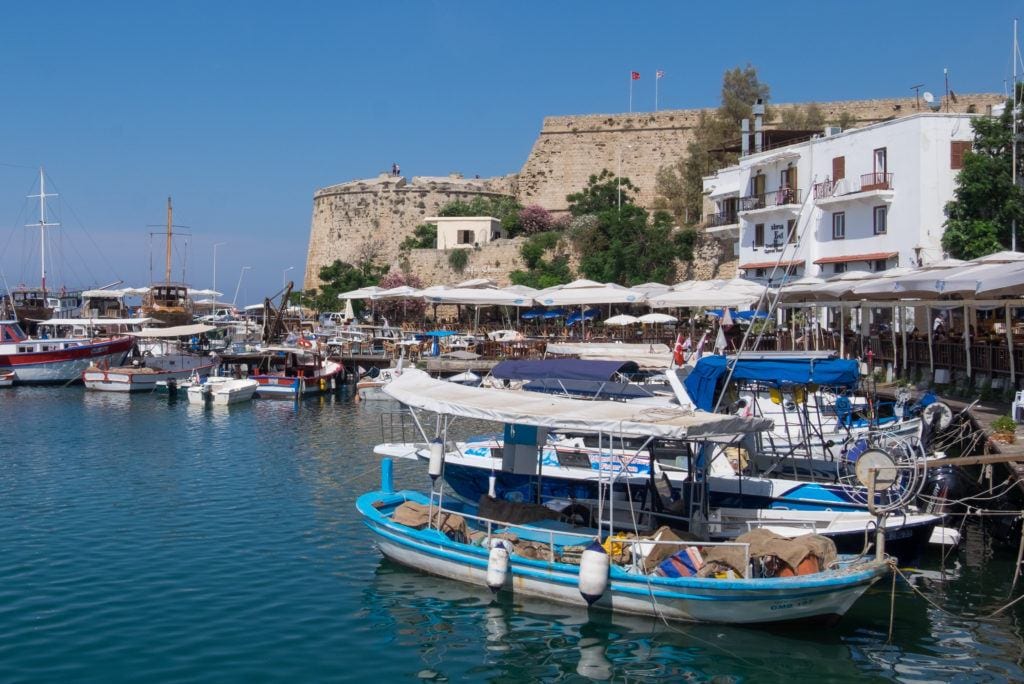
167 274
42 228
43 225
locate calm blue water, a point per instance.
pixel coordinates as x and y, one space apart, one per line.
142 539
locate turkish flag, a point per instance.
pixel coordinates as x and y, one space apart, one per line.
635 75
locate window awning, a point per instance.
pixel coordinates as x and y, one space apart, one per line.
870 256
770 264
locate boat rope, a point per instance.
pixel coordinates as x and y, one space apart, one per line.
948 612
892 602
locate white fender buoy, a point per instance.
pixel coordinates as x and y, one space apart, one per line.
497 566
594 566
492 486
436 459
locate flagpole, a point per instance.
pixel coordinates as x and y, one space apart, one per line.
630 92
656 79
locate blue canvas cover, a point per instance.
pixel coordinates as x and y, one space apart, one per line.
598 389
702 382
562 369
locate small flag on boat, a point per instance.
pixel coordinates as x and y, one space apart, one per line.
635 75
678 351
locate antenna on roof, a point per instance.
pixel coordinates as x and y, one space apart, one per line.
917 93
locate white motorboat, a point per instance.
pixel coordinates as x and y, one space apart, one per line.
221 391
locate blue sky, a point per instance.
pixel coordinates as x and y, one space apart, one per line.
241 110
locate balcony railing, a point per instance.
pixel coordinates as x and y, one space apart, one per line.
775 198
825 189
875 181
723 218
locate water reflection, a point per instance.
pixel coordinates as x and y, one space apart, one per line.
525 638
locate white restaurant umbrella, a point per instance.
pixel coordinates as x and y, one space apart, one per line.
622 319
802 289
658 318
1010 281
883 285
361 293
477 296
737 292
400 292
582 292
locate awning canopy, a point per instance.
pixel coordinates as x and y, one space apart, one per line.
96 321
417 389
175 331
870 256
361 293
702 382
771 264
562 369
647 356
479 296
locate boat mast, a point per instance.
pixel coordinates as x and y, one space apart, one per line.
167 273
42 225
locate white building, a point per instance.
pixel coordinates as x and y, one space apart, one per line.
465 231
864 199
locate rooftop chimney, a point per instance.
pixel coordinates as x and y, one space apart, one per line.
745 137
758 125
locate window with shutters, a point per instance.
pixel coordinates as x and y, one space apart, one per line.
839 225
759 235
957 148
839 267
881 218
838 168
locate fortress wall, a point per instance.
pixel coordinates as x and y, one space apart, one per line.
570 148
494 260
374 216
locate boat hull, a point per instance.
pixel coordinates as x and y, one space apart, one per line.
65 365
691 599
287 387
125 380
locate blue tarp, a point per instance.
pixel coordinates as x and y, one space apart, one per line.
531 314
554 313
589 315
439 333
562 369
738 315
702 382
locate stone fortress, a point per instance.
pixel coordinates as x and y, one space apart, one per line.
374 216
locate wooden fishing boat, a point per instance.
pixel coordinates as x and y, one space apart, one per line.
55 360
288 372
522 547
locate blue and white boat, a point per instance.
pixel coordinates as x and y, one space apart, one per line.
555 560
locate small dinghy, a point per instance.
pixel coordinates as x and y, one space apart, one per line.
221 391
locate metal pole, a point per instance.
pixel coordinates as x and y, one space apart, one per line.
1013 227
1009 347
215 246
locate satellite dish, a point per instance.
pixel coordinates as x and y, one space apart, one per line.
927 97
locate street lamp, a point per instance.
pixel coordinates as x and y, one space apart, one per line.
284 273
234 299
219 244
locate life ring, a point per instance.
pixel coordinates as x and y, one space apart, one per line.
577 515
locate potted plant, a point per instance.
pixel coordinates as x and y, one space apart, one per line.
1004 430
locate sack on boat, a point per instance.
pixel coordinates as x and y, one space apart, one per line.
417 516
773 555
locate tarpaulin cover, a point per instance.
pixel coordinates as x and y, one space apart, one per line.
702 382
418 390
561 369
589 388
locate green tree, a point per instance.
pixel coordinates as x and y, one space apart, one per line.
424 236
985 202
808 118
625 244
505 209
542 272
341 277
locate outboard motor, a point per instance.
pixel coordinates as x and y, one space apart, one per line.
944 486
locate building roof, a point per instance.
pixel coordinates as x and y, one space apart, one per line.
870 256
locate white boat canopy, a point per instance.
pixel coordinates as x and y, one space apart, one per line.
175 331
96 321
418 390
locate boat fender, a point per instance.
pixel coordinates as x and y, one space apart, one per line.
436 463
323 385
497 566
594 567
